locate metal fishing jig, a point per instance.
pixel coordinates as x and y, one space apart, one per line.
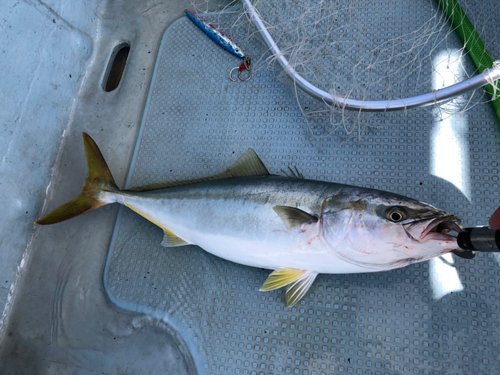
225 42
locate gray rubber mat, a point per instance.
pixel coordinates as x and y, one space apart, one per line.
437 317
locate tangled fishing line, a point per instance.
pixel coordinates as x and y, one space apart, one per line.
381 51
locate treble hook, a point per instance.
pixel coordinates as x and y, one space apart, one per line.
245 65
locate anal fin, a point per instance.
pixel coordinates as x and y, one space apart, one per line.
172 240
298 281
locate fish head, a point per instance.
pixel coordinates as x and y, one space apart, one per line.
382 231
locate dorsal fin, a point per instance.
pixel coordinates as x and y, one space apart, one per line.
292 172
249 164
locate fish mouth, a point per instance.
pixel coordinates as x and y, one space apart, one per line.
437 229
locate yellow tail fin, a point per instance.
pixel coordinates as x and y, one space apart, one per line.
98 179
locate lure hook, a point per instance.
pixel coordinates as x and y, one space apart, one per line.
245 66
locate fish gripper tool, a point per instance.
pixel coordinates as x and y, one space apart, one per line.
482 239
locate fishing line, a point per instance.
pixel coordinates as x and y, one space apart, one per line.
475 47
381 54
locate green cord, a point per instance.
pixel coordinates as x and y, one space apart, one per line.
473 43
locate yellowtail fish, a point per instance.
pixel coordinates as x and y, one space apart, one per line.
296 227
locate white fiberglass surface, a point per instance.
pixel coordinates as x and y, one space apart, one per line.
54 317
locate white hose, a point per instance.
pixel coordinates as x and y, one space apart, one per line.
438 96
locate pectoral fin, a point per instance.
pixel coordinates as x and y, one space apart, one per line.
171 240
293 218
298 281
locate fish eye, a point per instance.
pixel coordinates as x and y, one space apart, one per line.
395 214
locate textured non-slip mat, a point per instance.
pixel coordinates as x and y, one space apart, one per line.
437 317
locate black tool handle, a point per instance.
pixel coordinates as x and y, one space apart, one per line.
481 239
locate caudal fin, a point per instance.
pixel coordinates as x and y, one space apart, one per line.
98 179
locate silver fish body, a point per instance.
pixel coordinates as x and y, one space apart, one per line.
294 226
235 220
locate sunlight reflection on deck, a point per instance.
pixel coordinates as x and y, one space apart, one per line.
448 156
